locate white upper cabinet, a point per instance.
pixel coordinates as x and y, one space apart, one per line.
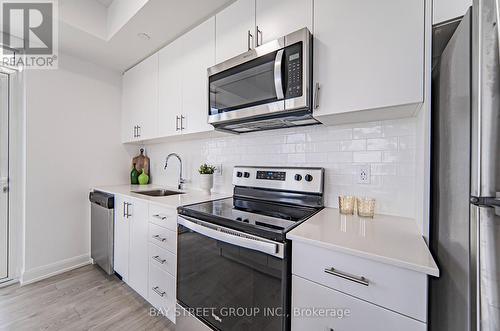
170 89
140 101
444 10
235 30
276 18
368 59
199 55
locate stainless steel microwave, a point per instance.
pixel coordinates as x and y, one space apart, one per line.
265 88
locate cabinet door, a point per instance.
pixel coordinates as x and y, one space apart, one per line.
121 238
368 55
138 255
276 18
170 89
140 99
341 311
199 55
235 30
129 120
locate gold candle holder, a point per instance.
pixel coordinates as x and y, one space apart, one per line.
346 204
366 207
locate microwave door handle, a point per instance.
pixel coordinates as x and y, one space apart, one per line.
227 237
278 79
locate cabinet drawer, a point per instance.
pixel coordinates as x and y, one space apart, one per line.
341 311
162 259
163 216
398 289
162 291
162 237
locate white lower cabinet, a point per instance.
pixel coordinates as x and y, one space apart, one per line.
162 259
319 308
138 254
131 242
121 238
145 245
162 291
368 294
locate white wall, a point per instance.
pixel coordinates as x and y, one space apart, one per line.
73 143
444 10
388 147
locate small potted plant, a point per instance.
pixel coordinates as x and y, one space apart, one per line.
206 177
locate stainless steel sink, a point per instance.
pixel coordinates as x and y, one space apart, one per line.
158 193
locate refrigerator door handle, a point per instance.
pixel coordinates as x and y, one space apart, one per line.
486 201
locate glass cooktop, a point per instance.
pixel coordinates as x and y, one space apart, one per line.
270 220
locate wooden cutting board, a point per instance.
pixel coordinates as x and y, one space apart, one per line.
141 162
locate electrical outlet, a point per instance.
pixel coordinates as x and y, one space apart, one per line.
218 169
364 174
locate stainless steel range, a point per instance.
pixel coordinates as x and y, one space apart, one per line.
234 262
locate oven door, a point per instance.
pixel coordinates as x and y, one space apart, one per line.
231 280
270 79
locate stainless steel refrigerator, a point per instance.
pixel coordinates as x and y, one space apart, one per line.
465 197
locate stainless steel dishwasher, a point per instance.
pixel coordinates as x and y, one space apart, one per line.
102 229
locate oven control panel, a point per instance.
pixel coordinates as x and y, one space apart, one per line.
309 180
271 175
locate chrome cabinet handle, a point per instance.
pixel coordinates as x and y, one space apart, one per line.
124 210
177 118
158 291
157 258
135 131
316 96
138 131
160 217
182 122
257 33
157 237
127 214
360 280
249 37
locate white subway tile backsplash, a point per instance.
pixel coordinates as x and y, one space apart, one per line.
382 144
367 157
367 130
407 142
353 145
387 147
399 156
400 127
339 157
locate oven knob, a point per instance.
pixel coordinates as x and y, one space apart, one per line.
308 178
247 175
239 219
298 177
239 174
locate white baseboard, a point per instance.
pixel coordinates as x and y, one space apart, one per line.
49 270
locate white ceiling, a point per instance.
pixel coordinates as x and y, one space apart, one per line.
84 28
106 3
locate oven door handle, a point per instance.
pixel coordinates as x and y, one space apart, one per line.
278 79
226 235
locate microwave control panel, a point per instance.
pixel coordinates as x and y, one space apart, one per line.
293 61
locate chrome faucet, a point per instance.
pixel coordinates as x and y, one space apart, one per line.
181 180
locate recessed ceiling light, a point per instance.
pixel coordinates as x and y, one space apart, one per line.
143 36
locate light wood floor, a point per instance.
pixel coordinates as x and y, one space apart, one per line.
81 299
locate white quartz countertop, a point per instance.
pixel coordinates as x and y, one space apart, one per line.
188 197
387 239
